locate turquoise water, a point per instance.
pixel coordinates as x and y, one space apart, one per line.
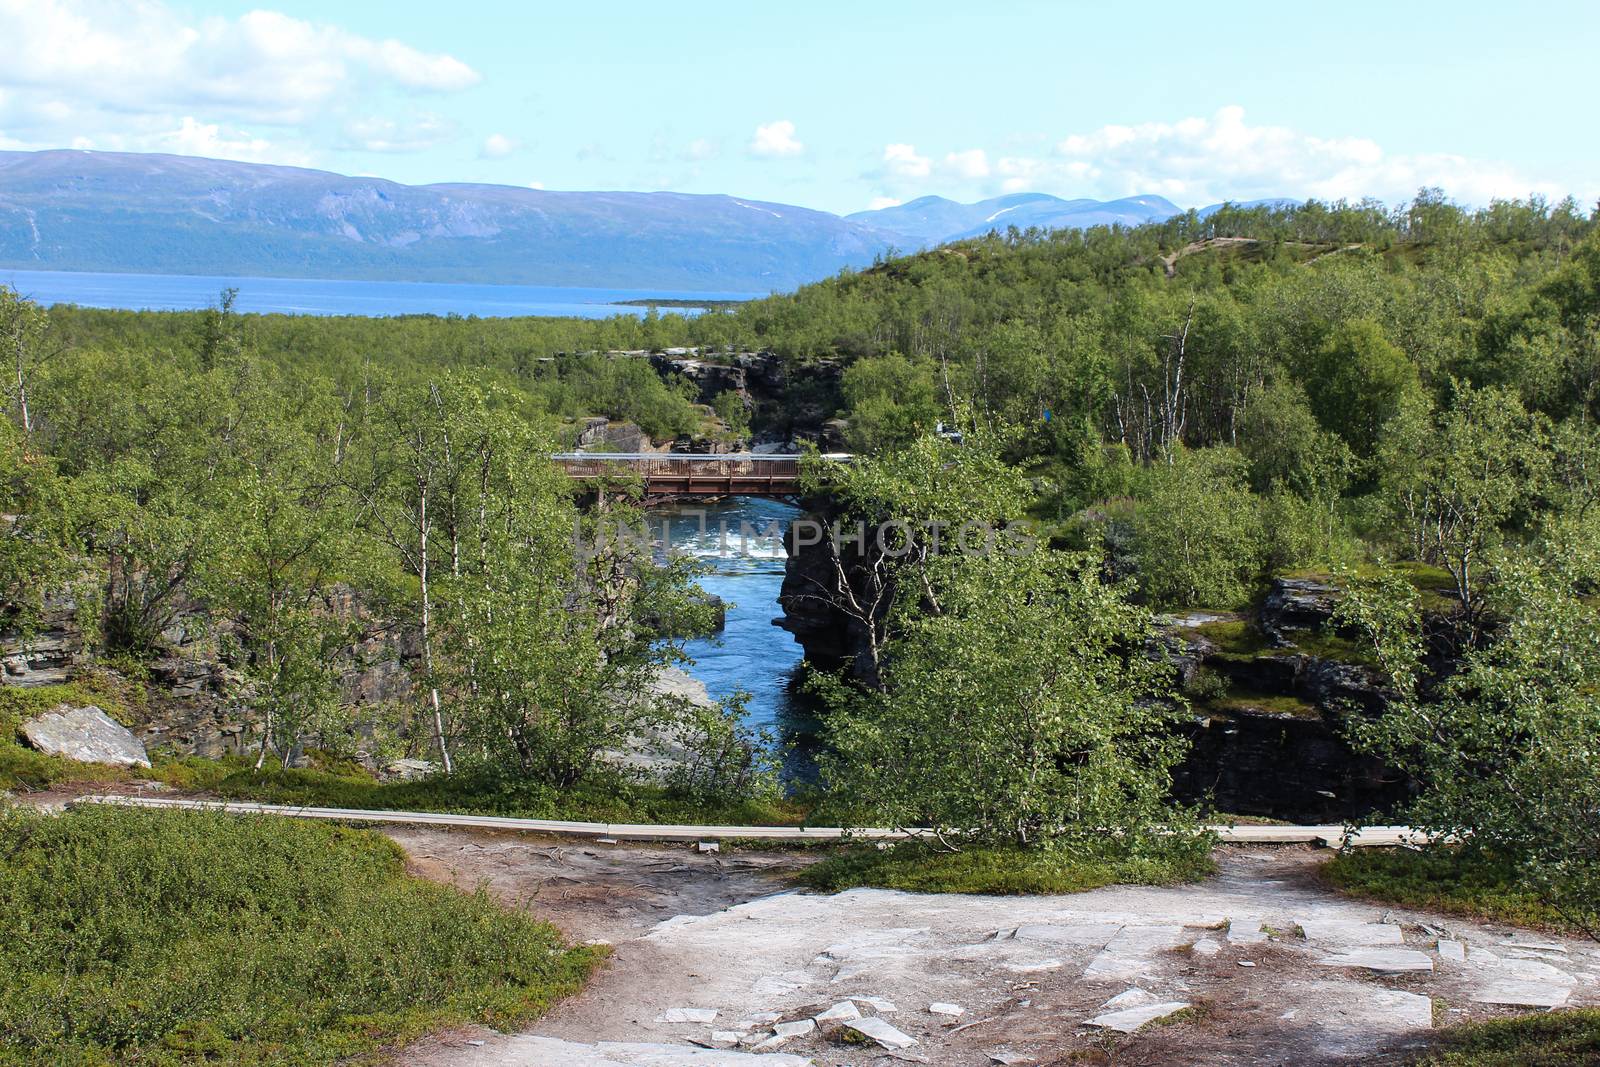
741 541
309 296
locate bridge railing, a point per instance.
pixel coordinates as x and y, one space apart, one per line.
778 466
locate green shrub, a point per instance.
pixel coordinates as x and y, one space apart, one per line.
1197 531
921 868
601 797
1460 881
1559 1039
1205 685
187 937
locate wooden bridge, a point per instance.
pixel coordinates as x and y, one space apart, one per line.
673 474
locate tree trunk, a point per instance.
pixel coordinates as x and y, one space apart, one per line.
427 624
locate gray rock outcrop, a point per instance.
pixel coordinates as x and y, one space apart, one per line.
1296 604
48 652
87 735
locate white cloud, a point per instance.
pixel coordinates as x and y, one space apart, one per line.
186 136
536 185
438 73
1196 161
701 149
775 139
130 74
379 134
902 161
498 146
195 138
973 163
878 203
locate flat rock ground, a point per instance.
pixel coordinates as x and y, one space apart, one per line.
1276 968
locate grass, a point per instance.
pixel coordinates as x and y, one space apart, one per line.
921 868
1233 638
171 938
1445 879
22 767
1557 1039
1238 699
1334 646
604 798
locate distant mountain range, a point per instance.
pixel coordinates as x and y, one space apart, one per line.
163 214
934 220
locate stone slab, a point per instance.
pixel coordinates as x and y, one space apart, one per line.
883 1005
1409 1010
1522 994
1246 932
1452 951
1340 933
1094 935
883 1033
1034 966
1387 960
1532 971
1130 1019
527 1050
1131 998
1131 953
687 1015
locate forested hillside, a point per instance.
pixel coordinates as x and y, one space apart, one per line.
1188 409
1280 386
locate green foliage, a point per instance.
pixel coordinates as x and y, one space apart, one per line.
1233 637
1205 685
1239 699
36 518
891 402
173 938
1020 712
1197 530
732 408
1556 1039
1454 479
1287 447
724 761
600 797
1358 381
1470 882
918 867
1504 744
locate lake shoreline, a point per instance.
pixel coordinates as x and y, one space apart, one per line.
347 297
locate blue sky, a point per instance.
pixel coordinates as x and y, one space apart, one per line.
833 105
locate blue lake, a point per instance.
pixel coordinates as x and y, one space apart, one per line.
310 296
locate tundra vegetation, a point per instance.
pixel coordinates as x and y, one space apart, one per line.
193 937
1403 401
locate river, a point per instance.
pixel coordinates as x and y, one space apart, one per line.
741 542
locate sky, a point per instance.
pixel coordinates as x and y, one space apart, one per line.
841 106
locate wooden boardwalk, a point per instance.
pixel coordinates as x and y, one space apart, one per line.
1327 836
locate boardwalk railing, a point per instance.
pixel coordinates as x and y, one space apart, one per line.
1330 836
694 474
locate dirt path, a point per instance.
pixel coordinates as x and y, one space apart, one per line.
610 892
1275 968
